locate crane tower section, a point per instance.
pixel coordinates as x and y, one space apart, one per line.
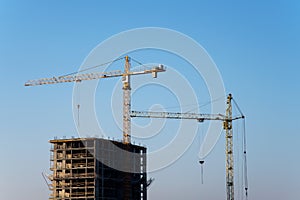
229 150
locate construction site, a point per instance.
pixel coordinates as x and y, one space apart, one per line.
96 168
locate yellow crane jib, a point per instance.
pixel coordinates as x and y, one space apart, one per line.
126 74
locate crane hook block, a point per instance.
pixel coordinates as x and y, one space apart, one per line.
201 162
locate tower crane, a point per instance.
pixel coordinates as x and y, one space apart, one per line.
128 114
126 74
227 126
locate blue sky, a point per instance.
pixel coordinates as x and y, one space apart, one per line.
255 45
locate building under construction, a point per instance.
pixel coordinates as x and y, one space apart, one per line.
93 168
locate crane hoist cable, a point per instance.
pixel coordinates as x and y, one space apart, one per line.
245 168
201 163
78 105
237 158
245 159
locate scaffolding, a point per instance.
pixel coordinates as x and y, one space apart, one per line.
94 169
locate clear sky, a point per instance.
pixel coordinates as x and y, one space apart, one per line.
255 45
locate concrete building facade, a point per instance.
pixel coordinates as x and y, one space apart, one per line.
94 169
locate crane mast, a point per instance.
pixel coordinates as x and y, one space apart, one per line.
126 103
227 124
